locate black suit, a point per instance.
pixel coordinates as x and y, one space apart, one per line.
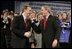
3 41
5 32
50 33
18 30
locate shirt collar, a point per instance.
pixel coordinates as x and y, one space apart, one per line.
23 14
47 16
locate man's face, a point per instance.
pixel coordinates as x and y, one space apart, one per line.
28 11
44 11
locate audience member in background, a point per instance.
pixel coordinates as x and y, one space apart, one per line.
11 15
65 33
32 39
16 14
3 41
6 27
38 37
69 19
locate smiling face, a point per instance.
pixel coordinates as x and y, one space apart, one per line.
64 15
44 11
28 11
6 14
40 17
60 17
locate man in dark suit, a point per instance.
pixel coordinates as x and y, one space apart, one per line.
21 29
5 29
49 27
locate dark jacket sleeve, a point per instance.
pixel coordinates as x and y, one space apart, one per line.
37 29
16 27
57 27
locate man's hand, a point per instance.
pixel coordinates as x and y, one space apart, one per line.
54 44
27 34
33 46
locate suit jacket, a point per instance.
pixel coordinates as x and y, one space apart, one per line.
50 33
5 32
7 29
7 25
18 30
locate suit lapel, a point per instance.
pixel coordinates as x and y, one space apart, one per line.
48 20
23 22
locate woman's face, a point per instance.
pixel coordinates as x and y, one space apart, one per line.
39 17
60 17
32 15
64 15
6 14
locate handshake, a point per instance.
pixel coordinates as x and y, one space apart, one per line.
27 34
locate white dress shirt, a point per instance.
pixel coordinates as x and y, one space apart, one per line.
23 14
